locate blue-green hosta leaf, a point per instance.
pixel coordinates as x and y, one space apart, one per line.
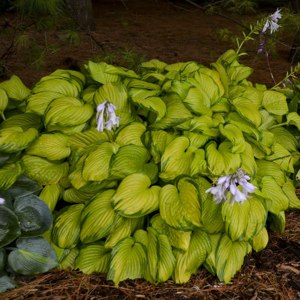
234 135
50 194
97 217
53 146
131 134
293 118
128 160
199 163
3 259
232 160
260 240
134 197
97 71
277 222
66 112
15 139
34 215
43 171
66 227
56 85
188 262
215 160
269 168
122 228
128 261
9 174
93 258
9 226
245 109
211 216
68 262
284 138
290 191
180 206
6 283
275 199
249 164
32 256
176 159
15 88
275 103
230 257
97 163
179 239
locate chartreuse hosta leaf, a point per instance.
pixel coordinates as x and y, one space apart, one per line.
180 205
131 134
188 262
176 159
43 171
269 168
154 64
277 222
199 163
234 135
93 258
15 89
67 111
97 217
50 194
293 118
97 163
129 259
34 215
285 138
66 228
249 164
129 159
68 262
3 102
275 103
14 139
275 199
232 161
122 228
215 160
179 239
97 71
238 72
73 195
161 260
260 240
9 173
134 197
290 191
32 256
53 146
211 216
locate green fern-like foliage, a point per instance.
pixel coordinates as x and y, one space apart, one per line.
38 7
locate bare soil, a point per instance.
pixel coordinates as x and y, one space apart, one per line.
127 32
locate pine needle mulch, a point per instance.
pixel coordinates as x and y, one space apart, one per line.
273 273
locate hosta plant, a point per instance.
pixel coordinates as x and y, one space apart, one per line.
155 174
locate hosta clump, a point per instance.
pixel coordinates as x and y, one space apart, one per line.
24 217
152 175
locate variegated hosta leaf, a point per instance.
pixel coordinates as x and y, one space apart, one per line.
14 139
180 206
239 73
43 171
260 240
199 163
275 200
23 120
293 118
122 228
198 102
284 138
56 85
9 174
176 159
210 262
15 88
224 79
235 136
290 191
97 71
67 111
131 134
197 140
123 72
66 228
93 258
69 260
128 160
73 195
97 217
51 146
215 160
230 257
39 102
277 222
232 161
128 261
97 164
50 194
211 216
3 101
179 239
154 64
161 260
275 103
188 262
249 164
269 168
179 87
204 125
134 196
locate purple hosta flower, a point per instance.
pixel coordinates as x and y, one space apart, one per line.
106 117
236 184
2 201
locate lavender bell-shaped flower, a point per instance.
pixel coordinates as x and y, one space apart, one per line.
106 117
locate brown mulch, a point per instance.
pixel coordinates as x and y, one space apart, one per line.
273 273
